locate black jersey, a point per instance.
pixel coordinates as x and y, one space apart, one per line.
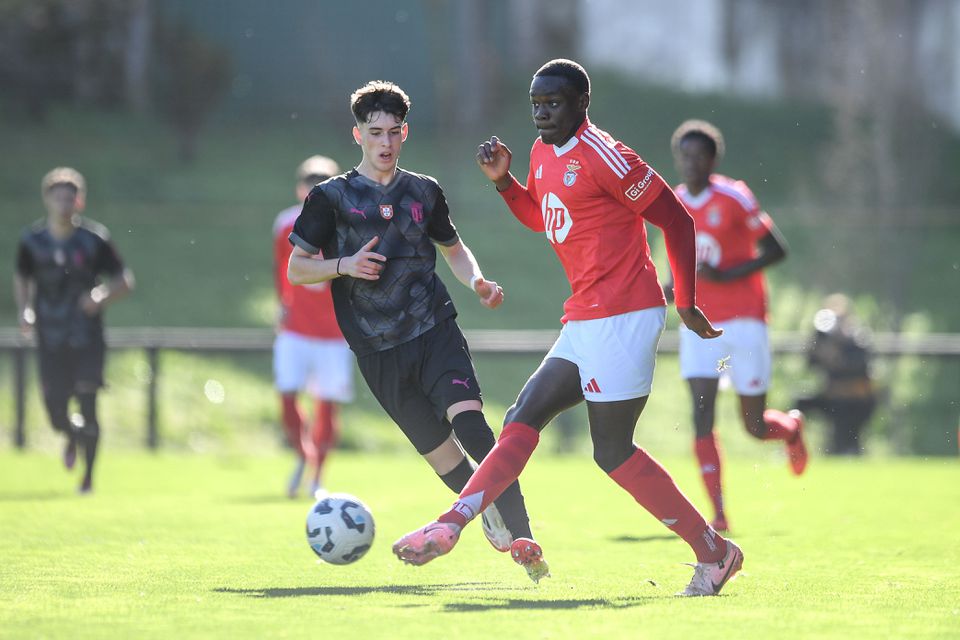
345 212
64 270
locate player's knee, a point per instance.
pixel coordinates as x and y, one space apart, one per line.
523 412
89 430
89 425
756 428
610 454
703 429
57 412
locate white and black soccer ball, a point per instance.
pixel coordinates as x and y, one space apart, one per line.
340 528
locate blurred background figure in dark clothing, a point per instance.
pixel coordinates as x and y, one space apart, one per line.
840 351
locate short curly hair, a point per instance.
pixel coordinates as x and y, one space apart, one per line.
379 95
63 176
703 130
574 73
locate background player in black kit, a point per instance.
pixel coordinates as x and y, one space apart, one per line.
67 272
377 227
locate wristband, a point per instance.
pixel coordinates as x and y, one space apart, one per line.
338 265
473 282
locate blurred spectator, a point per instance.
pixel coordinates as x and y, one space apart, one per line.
840 350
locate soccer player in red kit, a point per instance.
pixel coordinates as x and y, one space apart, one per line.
590 195
736 240
310 352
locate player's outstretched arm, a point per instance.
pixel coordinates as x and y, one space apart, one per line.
494 159
464 266
694 319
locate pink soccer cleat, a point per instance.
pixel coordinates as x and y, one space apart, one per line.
529 555
796 449
423 545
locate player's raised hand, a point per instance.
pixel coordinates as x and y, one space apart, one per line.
364 264
698 323
494 159
491 294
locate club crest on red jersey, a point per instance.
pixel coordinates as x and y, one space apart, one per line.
570 176
713 217
386 211
416 211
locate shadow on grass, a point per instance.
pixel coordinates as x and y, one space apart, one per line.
656 538
429 590
267 498
28 496
581 603
399 589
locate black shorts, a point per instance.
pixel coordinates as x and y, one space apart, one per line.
417 381
65 369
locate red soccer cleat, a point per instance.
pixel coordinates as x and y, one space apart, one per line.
796 449
529 555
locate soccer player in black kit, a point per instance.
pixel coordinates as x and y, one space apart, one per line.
67 272
378 227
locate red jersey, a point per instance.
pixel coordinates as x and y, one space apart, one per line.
729 224
590 197
307 309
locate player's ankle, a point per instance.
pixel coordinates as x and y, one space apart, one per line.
453 518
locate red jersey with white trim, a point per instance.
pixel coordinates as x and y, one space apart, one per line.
588 197
307 309
729 224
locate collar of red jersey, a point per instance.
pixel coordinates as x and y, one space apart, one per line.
573 141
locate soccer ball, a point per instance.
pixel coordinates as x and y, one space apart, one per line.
339 528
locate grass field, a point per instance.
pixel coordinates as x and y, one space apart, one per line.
204 546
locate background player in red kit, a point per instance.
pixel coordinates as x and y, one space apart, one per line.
309 352
735 242
591 195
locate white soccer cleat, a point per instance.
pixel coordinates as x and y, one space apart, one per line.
709 577
495 530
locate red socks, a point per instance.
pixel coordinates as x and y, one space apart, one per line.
497 472
708 455
780 426
324 435
292 422
653 488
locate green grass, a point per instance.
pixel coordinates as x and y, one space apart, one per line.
204 546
